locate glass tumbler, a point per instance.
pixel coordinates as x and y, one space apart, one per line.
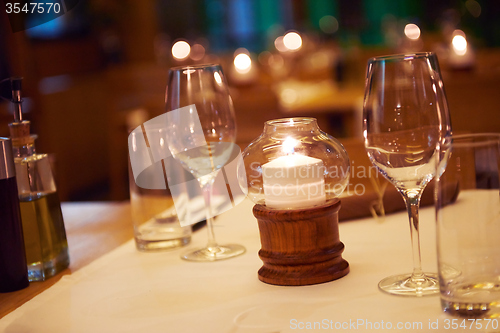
468 226
155 217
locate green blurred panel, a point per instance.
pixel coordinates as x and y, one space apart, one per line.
320 8
376 10
269 14
412 8
215 23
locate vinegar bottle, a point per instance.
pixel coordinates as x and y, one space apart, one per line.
43 226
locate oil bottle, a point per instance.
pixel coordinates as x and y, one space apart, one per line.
44 234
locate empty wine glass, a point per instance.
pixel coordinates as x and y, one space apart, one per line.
406 124
201 136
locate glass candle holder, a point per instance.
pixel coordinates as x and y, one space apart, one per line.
294 173
295 165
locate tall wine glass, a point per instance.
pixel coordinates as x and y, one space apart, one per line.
201 135
406 124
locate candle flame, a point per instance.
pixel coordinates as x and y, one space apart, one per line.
289 145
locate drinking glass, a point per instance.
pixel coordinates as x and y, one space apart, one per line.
406 124
468 226
201 134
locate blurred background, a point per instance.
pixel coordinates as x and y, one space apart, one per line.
95 73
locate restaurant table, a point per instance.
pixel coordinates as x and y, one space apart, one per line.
92 229
126 290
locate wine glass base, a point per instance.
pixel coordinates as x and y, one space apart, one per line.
403 285
219 252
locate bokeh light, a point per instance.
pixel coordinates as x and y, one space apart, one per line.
412 31
289 96
280 45
329 24
459 42
264 57
473 7
197 52
242 61
181 50
292 41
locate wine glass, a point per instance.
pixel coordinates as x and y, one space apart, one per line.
406 125
201 135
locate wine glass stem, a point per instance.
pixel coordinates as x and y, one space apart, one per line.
412 200
207 195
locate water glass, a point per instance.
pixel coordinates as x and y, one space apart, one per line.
468 227
155 217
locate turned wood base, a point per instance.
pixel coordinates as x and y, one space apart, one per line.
300 247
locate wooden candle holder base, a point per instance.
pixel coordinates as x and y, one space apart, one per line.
300 247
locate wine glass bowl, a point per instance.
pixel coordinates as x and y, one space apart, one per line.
201 135
405 126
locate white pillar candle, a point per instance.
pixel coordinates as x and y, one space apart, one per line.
294 181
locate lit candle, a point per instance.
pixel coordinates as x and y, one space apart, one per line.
294 181
243 72
461 56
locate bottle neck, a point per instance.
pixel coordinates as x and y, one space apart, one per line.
24 150
23 143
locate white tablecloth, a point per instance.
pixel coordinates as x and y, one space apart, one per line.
130 291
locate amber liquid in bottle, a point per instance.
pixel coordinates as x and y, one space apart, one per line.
42 221
44 235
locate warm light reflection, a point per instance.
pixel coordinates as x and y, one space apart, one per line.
412 31
217 78
280 46
181 50
459 33
197 52
264 57
292 41
134 143
276 61
289 96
